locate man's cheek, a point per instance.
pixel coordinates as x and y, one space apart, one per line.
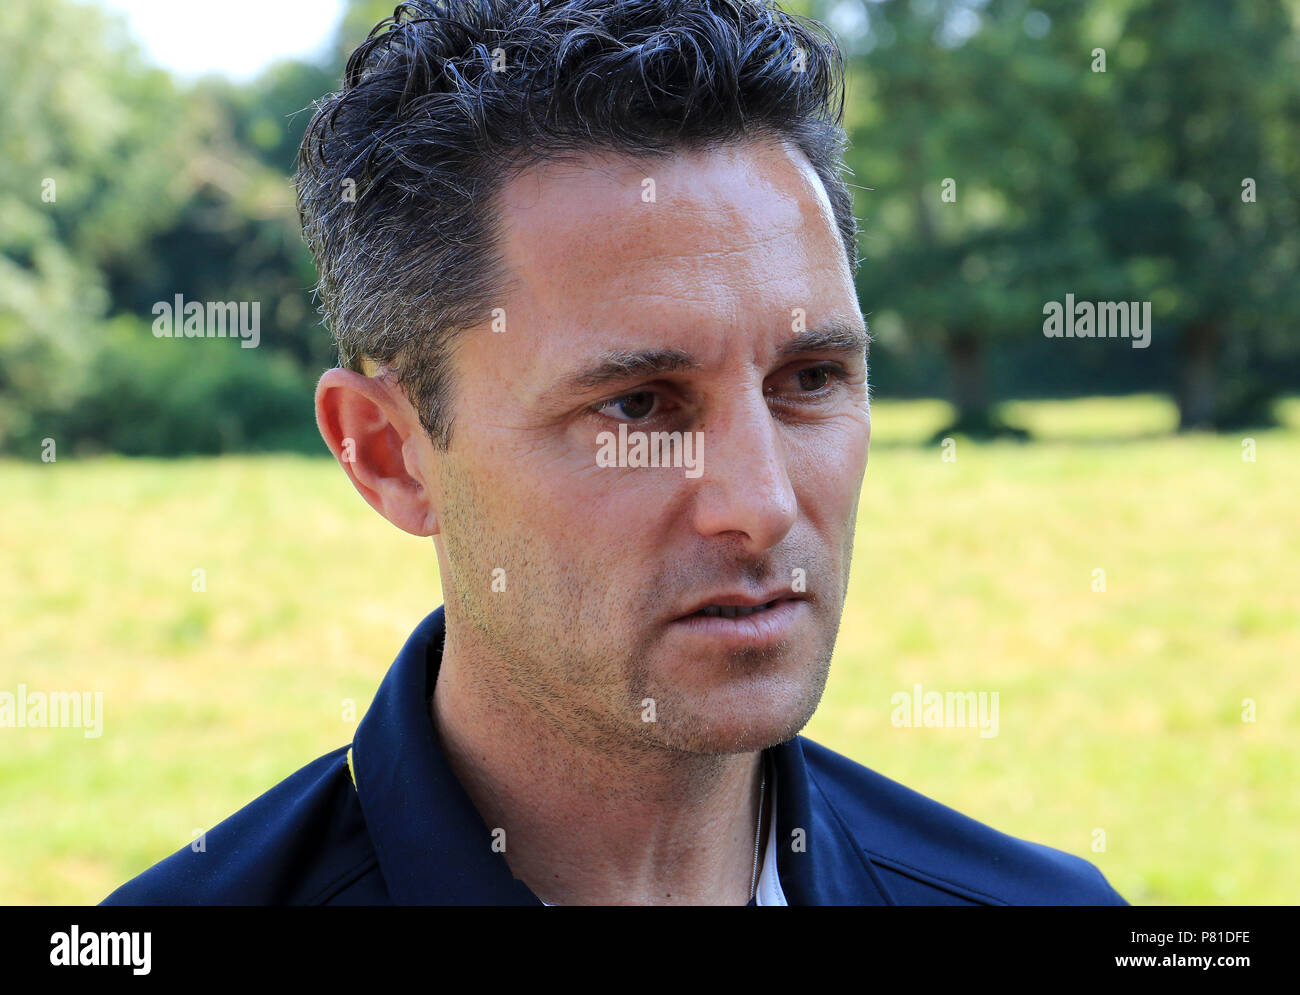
829 489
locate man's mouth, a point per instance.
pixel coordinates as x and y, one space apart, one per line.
733 611
726 624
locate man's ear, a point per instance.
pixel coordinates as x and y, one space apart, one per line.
372 430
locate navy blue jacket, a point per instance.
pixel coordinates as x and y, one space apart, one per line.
385 822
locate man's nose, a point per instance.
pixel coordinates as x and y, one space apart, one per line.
745 485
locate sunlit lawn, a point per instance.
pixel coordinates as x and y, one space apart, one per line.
1119 710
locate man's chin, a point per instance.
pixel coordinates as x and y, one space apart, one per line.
722 740
721 724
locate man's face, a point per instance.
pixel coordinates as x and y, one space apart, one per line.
572 582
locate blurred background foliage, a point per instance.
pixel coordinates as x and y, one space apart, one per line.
1117 185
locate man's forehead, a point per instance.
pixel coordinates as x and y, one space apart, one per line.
606 229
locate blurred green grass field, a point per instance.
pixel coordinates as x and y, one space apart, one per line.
1118 711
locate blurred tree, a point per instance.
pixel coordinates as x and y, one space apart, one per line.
1119 178
121 190
237 236
1201 147
91 142
967 136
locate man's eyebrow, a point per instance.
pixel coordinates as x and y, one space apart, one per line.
832 336
622 365
626 364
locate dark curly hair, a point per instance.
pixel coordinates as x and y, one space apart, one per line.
448 99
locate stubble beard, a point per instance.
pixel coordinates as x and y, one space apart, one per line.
597 695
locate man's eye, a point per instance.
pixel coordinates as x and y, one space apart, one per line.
809 380
630 407
814 378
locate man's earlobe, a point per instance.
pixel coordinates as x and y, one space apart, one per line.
374 434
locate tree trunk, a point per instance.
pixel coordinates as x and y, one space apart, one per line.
1198 375
970 390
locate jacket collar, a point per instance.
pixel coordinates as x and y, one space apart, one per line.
817 858
434 848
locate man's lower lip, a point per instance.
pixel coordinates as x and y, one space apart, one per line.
758 629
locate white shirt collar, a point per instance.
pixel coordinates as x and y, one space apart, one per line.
769 881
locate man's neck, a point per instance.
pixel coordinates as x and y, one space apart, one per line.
596 823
